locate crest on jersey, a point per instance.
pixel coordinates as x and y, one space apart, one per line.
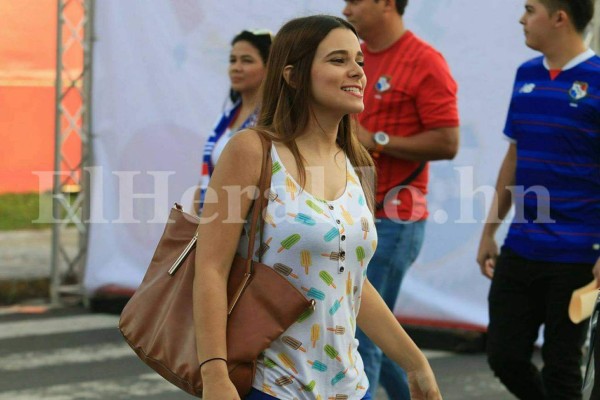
579 90
383 84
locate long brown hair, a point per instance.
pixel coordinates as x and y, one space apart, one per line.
286 108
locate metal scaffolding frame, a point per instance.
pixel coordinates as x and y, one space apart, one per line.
71 205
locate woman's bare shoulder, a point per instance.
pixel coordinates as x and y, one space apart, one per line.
242 157
247 145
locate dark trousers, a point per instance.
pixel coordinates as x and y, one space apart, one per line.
524 295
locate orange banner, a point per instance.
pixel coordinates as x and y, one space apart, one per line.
27 99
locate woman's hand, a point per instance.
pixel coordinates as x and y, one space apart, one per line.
220 390
216 383
422 385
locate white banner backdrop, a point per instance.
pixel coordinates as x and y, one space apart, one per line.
159 84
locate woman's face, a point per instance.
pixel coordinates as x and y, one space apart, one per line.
246 67
338 80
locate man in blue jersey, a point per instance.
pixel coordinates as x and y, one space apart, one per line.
551 172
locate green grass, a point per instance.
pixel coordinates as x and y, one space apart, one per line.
20 210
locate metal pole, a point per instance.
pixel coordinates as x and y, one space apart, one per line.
56 209
87 151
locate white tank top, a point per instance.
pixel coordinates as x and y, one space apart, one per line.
323 248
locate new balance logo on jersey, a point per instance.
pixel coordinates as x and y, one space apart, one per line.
527 88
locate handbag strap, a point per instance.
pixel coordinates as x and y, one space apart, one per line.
260 204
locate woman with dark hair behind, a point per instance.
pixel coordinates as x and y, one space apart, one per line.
247 66
319 227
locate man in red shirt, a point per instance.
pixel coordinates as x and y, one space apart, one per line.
410 118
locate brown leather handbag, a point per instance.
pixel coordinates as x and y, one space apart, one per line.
158 324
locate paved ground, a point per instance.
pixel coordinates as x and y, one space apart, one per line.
71 351
26 254
25 262
73 354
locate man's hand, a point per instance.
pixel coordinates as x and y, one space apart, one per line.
486 255
596 271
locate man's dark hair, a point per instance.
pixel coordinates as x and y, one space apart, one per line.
401 5
580 12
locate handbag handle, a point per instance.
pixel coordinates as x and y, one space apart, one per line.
258 210
260 205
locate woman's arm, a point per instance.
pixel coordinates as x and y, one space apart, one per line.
380 325
228 199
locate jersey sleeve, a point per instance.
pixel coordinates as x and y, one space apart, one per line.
509 130
436 98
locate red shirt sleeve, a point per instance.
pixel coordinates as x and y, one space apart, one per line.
436 99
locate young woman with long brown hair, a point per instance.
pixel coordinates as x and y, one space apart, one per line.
320 225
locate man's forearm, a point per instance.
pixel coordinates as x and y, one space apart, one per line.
502 196
435 144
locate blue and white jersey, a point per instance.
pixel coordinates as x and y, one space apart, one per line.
555 124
